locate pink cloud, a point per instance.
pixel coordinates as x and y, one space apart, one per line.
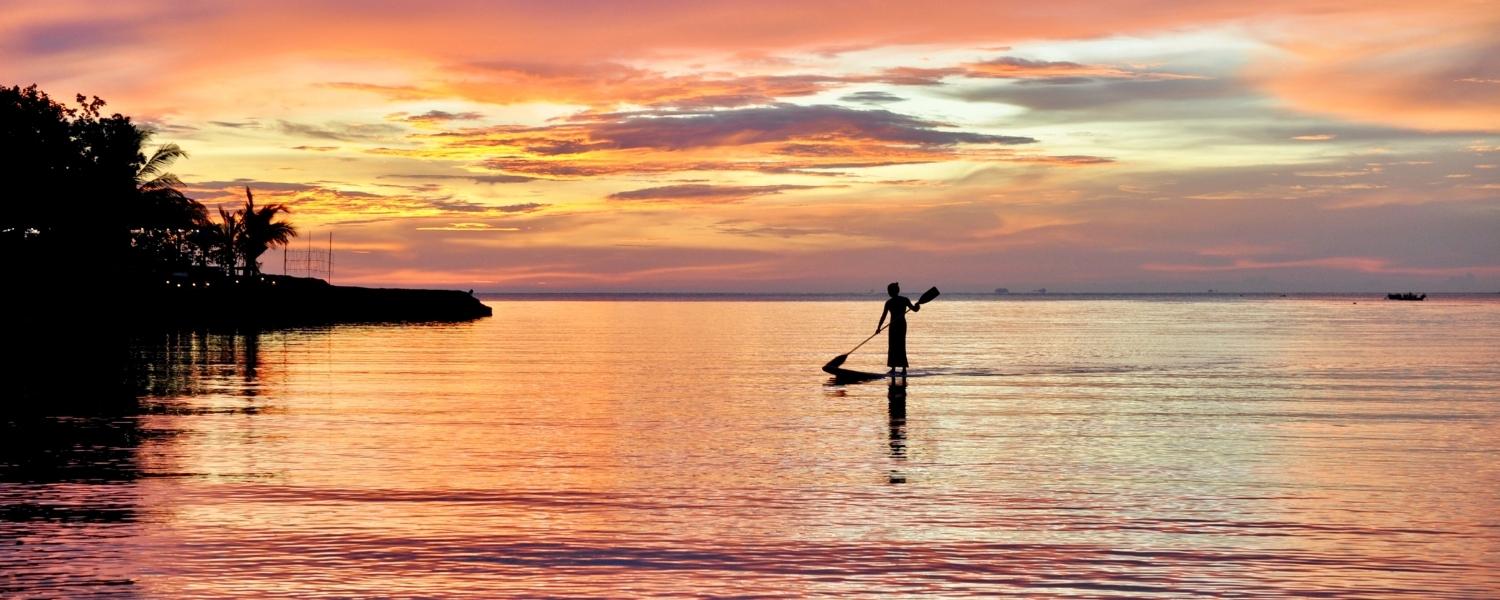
1338 263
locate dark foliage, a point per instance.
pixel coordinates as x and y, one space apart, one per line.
82 198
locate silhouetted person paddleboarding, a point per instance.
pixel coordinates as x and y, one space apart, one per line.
896 307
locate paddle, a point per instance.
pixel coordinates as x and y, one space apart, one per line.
838 361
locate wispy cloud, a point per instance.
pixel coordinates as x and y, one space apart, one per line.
750 229
873 98
345 132
489 178
324 202
702 193
470 228
249 124
435 116
1012 67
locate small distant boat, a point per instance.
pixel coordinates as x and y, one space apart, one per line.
1002 290
1407 296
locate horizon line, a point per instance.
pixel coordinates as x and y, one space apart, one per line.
960 292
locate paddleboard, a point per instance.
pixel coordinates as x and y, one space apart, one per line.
846 376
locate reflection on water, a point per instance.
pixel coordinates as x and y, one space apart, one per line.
185 363
78 440
1069 448
895 405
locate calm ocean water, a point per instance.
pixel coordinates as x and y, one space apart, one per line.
1083 447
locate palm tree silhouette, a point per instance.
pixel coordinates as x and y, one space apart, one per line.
220 240
259 230
162 218
152 176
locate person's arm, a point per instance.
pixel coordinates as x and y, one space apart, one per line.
913 305
883 313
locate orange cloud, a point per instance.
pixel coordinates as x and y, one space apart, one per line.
601 85
1422 66
469 227
774 139
702 193
604 85
319 204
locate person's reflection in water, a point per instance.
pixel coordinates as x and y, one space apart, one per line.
896 410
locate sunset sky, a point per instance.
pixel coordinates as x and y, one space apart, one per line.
737 146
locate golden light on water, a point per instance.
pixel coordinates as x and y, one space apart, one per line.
1048 447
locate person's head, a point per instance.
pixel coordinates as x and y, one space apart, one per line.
894 288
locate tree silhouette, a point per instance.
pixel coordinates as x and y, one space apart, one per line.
220 241
260 230
165 219
81 193
84 197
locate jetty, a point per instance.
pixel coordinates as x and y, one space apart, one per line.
282 300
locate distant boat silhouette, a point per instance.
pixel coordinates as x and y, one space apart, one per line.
1041 290
1406 296
1002 290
